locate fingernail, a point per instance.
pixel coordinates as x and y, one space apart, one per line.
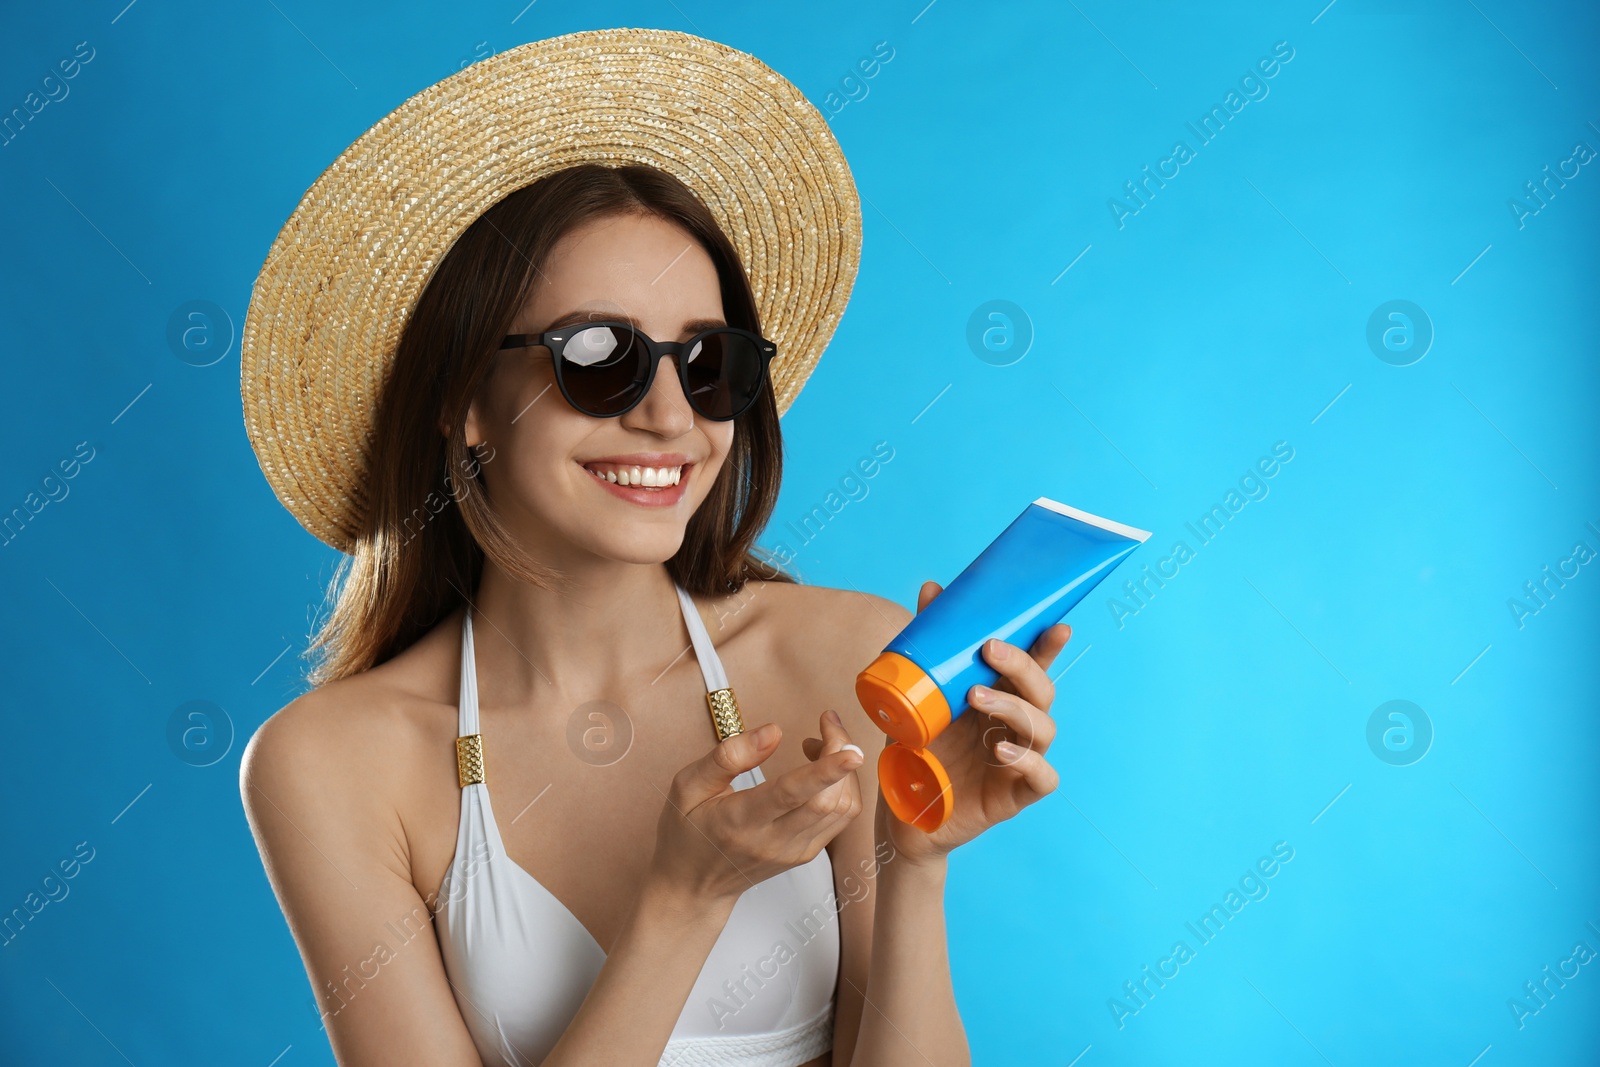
833 717
766 734
1007 751
854 748
982 694
997 649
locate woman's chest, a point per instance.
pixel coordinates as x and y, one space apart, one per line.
576 788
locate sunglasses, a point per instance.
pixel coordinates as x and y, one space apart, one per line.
605 368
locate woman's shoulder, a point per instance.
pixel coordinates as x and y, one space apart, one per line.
357 732
813 627
812 642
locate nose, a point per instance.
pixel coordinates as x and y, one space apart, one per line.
665 410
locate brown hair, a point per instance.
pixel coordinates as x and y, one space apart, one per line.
429 522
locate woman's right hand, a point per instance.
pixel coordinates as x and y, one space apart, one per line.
713 842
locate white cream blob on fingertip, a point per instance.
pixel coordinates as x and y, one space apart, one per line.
853 748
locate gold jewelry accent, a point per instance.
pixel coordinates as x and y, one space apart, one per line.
469 759
724 713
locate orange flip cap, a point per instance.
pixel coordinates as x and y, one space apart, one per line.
916 786
900 698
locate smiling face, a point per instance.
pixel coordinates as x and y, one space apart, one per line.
545 474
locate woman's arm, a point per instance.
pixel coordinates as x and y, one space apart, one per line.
995 757
911 1015
337 862
895 1003
639 993
711 845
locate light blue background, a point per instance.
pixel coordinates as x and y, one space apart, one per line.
1227 315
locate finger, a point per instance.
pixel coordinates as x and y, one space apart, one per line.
925 595
812 747
834 736
1029 766
796 787
814 837
1049 644
783 794
1020 673
823 814
1033 728
713 774
826 811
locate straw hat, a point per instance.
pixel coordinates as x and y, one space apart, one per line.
327 309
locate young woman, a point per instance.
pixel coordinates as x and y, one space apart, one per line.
552 581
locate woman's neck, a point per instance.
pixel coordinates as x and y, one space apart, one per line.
605 629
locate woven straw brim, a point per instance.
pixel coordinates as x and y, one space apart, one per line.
327 310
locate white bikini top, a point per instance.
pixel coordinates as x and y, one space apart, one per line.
520 963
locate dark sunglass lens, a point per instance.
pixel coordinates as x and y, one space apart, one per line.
724 372
602 368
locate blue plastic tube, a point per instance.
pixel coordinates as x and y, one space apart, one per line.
1023 583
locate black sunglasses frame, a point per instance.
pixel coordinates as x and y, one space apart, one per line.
549 339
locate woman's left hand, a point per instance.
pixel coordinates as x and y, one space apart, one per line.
994 751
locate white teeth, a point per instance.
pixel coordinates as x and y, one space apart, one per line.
649 477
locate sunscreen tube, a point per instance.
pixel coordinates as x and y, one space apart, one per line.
1029 577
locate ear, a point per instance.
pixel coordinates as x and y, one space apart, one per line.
474 425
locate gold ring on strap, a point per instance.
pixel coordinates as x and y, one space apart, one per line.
469 759
724 713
